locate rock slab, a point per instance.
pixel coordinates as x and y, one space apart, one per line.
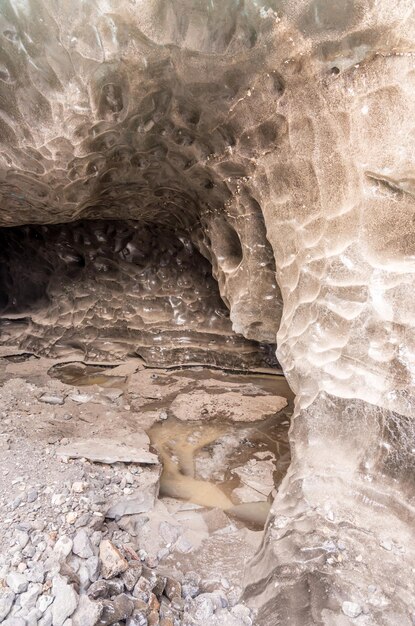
109 451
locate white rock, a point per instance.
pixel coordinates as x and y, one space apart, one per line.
36 574
51 399
46 620
184 545
7 597
92 565
87 612
65 601
71 517
28 599
63 547
82 545
17 582
203 608
81 398
32 618
79 486
58 499
14 621
22 538
83 576
242 613
111 451
44 602
351 609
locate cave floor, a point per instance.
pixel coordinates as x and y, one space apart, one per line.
177 467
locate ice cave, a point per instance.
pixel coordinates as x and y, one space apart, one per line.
207 344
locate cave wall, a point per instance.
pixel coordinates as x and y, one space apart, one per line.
342 231
285 131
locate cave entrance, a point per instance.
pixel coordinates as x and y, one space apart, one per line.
107 290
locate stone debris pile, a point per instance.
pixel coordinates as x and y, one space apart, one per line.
86 580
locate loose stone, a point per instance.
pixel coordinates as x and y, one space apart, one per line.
351 609
82 545
17 582
92 565
131 576
46 619
63 547
79 486
28 598
14 621
87 612
32 495
71 517
112 561
22 538
137 619
51 399
44 602
116 610
105 588
7 597
172 588
65 602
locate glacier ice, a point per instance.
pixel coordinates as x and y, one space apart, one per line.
277 138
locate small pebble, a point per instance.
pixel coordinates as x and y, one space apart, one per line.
71 517
351 609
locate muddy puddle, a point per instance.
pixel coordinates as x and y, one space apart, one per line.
218 463
215 463
82 375
229 466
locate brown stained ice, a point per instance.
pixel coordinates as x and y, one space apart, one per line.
276 138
